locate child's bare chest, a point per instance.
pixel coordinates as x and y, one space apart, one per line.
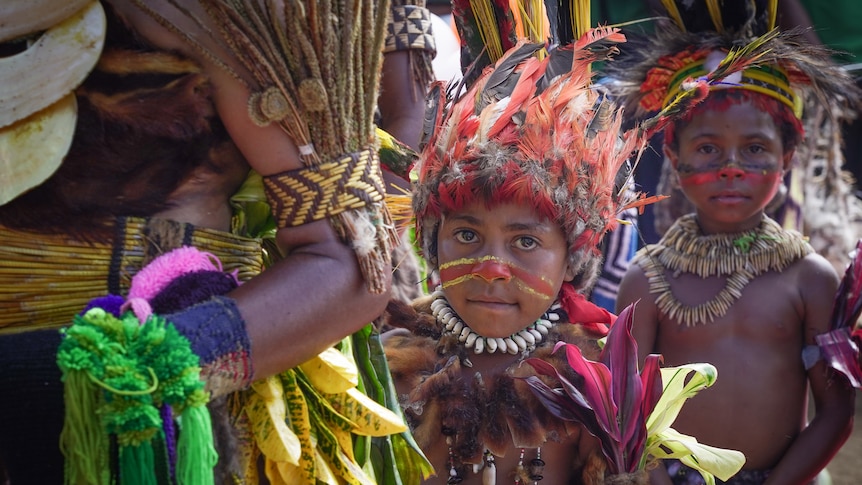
767 307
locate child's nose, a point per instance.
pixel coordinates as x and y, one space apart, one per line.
731 172
492 269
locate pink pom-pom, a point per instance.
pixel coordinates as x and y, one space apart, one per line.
140 307
155 276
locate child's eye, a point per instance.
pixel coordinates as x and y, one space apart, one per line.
756 149
465 236
707 149
526 242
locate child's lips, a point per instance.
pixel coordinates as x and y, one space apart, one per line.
730 197
491 302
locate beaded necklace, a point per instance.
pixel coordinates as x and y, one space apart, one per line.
739 256
523 341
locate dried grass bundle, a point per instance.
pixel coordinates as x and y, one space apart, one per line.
313 67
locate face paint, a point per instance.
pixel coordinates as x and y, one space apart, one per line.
763 178
489 269
492 269
727 172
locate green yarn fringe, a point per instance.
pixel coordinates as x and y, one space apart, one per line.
196 455
117 373
138 465
83 442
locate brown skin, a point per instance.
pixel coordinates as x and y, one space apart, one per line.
759 403
792 14
203 198
284 307
402 108
401 102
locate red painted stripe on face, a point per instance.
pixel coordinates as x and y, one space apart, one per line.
493 269
727 174
490 268
456 271
535 282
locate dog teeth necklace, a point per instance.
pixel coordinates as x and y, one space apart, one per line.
524 341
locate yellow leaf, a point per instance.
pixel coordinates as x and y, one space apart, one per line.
322 472
331 371
300 423
371 419
268 417
678 387
283 473
708 460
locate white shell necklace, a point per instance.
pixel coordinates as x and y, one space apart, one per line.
524 341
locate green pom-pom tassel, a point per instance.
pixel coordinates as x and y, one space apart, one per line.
196 456
117 373
137 465
83 440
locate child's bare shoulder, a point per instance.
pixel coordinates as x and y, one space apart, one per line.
815 276
818 266
635 275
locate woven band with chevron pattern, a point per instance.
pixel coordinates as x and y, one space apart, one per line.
310 194
409 28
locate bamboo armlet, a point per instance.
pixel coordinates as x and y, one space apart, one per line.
310 194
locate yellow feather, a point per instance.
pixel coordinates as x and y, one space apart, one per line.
715 14
673 12
772 12
533 22
385 139
581 21
488 29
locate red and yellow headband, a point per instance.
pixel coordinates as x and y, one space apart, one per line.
665 81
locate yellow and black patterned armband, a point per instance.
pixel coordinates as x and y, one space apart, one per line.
409 29
310 194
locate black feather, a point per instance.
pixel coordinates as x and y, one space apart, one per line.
501 82
434 103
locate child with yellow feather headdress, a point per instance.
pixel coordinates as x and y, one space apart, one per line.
726 284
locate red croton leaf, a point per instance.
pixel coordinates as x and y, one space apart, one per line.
620 355
612 400
837 347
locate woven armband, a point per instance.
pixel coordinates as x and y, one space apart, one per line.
409 28
310 194
218 336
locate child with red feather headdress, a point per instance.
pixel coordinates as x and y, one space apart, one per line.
515 188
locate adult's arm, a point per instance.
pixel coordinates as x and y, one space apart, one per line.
314 296
402 99
792 14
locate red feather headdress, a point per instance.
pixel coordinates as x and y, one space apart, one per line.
522 134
